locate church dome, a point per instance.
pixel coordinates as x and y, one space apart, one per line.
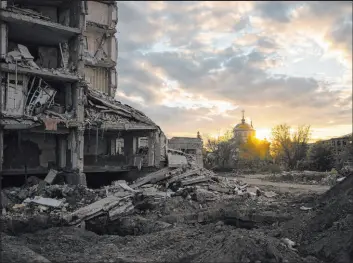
243 126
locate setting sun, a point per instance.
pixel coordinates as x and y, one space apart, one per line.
263 133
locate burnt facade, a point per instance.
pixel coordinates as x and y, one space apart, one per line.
58 82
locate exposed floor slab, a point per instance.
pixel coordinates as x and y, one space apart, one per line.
24 27
48 75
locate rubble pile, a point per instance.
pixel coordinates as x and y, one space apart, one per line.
329 232
75 204
104 107
47 198
147 193
21 56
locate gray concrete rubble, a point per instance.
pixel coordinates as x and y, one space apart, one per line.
159 211
120 198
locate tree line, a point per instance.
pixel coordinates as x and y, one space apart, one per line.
289 148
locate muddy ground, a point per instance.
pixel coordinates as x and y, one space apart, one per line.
178 229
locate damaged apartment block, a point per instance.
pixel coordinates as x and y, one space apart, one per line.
58 81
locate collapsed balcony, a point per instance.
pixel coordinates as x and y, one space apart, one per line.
51 22
118 137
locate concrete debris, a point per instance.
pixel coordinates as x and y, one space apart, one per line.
254 191
176 160
183 175
289 243
219 189
21 57
18 206
51 176
103 107
120 210
170 222
162 184
44 201
123 185
340 179
304 208
77 204
200 179
270 194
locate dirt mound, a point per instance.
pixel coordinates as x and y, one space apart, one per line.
329 232
210 243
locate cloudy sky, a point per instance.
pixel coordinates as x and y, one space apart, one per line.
193 66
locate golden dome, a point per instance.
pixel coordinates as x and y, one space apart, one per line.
243 126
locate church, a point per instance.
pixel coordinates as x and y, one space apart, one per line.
244 130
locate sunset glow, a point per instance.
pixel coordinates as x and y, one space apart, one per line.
193 66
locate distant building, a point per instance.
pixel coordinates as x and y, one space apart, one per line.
188 145
340 144
244 130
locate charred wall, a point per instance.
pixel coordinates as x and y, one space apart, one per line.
33 150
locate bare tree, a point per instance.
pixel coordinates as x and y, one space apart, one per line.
289 147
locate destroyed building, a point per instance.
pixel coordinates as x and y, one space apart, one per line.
340 145
188 145
58 82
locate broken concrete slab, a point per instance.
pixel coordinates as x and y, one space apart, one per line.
93 210
203 195
157 194
155 177
120 210
51 176
219 189
184 175
45 201
270 194
305 208
123 185
176 160
199 179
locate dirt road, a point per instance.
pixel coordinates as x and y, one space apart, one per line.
257 180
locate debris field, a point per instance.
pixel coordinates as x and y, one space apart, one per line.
179 214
